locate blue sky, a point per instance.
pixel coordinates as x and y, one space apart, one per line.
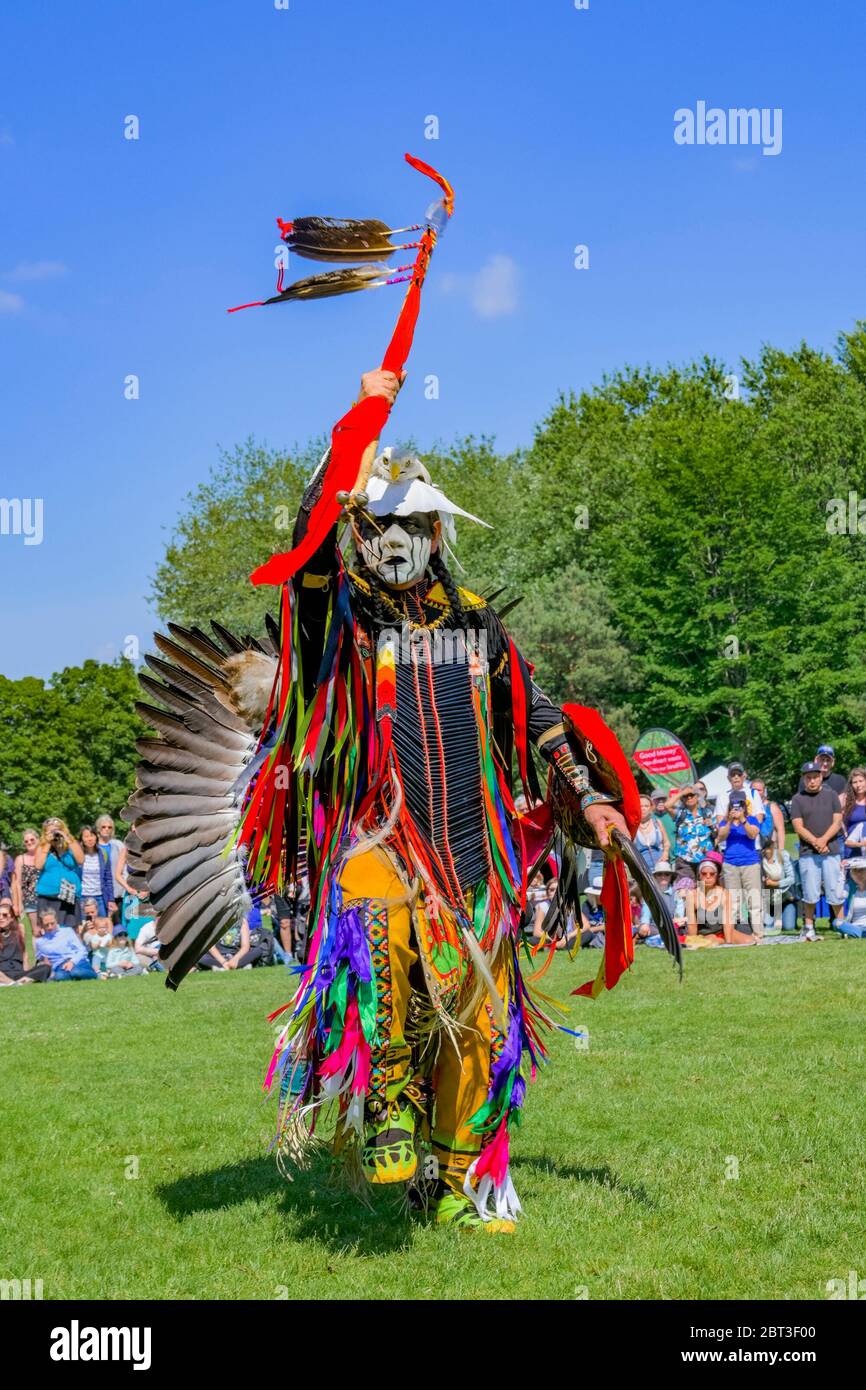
556 127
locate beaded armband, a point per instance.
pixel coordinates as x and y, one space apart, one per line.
595 798
574 773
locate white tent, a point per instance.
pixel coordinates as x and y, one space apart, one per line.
716 781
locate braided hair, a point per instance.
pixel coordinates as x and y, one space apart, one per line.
446 579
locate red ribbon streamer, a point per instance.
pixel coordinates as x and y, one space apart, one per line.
365 421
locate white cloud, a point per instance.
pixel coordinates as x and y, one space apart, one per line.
10 303
35 270
492 291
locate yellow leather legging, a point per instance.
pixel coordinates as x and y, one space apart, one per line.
459 1069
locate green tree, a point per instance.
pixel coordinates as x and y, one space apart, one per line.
67 746
236 519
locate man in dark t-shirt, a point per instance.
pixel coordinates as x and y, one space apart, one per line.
816 815
826 759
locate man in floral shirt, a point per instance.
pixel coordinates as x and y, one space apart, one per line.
694 832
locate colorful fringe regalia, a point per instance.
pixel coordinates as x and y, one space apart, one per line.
390 718
393 767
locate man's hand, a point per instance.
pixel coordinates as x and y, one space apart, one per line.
67 965
602 818
381 383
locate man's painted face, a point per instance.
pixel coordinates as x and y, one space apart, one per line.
399 552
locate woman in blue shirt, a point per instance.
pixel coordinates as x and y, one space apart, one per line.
737 837
59 857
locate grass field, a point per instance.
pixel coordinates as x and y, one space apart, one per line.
753 1066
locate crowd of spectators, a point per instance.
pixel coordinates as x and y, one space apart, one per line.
69 912
725 866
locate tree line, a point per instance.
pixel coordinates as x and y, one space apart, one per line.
687 546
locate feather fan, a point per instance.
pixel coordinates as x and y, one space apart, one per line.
210 695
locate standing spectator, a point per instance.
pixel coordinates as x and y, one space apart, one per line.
703 796
694 835
662 812
853 921
816 815
62 949
97 879
773 823
737 783
138 911
651 839
58 857
105 830
7 875
26 875
301 917
825 759
14 961
854 812
741 872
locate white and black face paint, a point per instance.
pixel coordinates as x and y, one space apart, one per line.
399 553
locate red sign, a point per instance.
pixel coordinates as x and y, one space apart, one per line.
660 762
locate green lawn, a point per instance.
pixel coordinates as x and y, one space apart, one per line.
754 1063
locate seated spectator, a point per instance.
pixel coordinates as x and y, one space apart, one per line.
853 920
89 915
97 936
592 913
121 959
854 813
58 857
709 910
542 903
535 898
232 952
261 938
664 879
651 839
147 946
62 949
737 783
642 925
780 888
97 879
13 956
816 815
694 835
737 837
